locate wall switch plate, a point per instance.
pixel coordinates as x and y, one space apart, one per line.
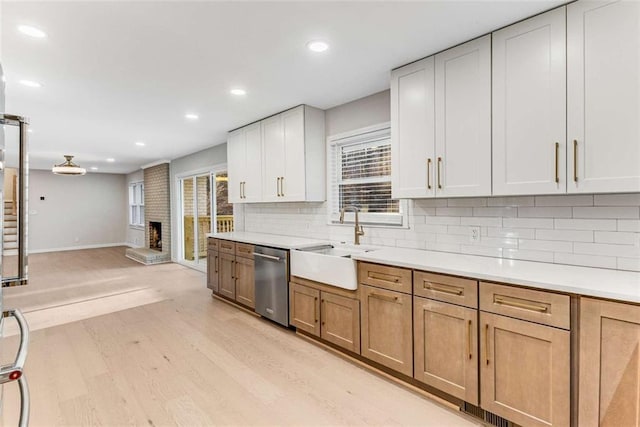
474 234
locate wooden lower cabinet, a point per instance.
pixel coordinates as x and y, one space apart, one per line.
212 270
340 321
609 364
245 284
446 347
226 275
387 328
304 308
524 371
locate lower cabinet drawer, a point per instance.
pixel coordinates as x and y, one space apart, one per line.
227 247
387 336
446 347
525 371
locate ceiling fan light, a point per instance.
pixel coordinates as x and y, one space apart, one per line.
68 168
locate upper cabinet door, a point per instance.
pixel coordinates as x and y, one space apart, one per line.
236 156
252 187
463 120
292 181
412 130
273 159
603 66
529 106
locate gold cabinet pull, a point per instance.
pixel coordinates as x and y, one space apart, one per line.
486 343
429 173
384 297
315 308
575 160
557 152
322 310
383 277
469 340
278 186
282 186
439 164
443 288
523 305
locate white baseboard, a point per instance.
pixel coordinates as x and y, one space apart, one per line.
77 248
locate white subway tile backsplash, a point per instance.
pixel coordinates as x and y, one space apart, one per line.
628 212
618 237
585 224
565 200
545 212
566 235
597 231
629 199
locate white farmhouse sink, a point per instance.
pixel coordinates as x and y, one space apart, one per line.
330 264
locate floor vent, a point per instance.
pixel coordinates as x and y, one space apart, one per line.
488 417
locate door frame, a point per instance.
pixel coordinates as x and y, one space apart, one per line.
178 255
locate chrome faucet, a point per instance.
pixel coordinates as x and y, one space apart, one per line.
358 231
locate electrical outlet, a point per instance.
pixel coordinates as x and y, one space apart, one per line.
474 234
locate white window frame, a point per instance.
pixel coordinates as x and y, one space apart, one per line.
136 205
358 136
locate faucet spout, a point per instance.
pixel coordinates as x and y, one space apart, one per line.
358 230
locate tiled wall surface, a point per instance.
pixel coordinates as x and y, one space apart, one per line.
156 202
589 230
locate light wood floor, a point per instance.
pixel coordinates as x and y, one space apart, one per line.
176 356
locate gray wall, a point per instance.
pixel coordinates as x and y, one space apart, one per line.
195 162
134 235
78 212
368 111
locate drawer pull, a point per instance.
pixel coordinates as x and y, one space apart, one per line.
384 297
226 247
469 339
523 305
383 277
443 288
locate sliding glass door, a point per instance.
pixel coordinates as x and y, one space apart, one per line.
205 209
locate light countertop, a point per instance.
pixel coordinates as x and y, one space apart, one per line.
273 240
596 282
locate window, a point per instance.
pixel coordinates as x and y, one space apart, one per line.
136 204
360 175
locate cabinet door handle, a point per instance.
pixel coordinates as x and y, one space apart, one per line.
523 305
244 189
429 173
443 288
282 186
439 165
315 308
486 342
557 174
233 270
322 311
469 340
215 264
575 160
384 297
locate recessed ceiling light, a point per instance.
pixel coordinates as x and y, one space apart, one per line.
111 160
191 116
140 144
32 31
30 83
238 92
317 46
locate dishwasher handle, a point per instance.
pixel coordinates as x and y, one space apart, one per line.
270 257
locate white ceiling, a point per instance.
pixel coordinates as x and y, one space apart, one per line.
114 73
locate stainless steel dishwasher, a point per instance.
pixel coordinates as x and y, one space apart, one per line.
272 283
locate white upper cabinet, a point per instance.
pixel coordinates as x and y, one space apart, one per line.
529 106
603 74
244 164
463 120
413 130
279 159
294 156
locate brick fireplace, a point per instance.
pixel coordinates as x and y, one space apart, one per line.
157 216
